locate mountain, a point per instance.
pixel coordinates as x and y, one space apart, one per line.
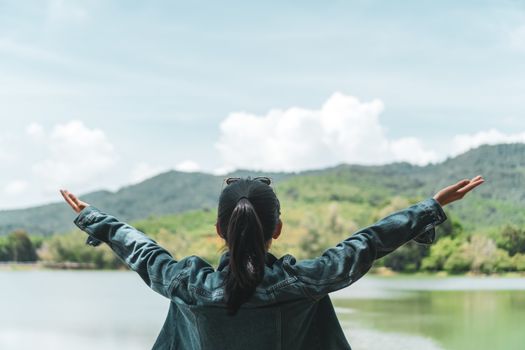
166 193
499 201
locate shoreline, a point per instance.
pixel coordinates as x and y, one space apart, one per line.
49 266
386 272
377 271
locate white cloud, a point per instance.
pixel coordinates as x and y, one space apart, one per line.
222 170
143 170
75 156
16 187
35 130
411 149
464 142
343 130
188 166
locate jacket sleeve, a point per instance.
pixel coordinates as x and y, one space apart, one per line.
155 265
349 260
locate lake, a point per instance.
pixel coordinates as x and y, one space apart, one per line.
93 309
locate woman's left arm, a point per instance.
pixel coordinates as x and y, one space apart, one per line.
155 265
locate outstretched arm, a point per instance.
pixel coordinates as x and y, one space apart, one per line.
155 265
349 260
457 191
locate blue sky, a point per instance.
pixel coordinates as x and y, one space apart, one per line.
100 94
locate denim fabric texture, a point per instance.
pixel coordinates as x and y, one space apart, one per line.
291 308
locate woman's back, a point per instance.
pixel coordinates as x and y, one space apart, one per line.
279 315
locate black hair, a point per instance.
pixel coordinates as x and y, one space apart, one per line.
248 214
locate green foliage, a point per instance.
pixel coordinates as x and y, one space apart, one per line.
71 248
450 228
479 254
458 262
309 229
518 261
194 222
322 232
412 256
407 258
5 250
37 241
440 253
314 243
512 239
17 246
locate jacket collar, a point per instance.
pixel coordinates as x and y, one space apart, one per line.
225 259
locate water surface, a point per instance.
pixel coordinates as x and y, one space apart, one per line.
454 313
116 310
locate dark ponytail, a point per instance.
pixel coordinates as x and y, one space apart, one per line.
248 214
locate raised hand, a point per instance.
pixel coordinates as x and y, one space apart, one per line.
457 191
73 201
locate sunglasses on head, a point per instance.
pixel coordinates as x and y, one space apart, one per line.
263 179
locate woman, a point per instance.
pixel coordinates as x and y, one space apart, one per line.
254 300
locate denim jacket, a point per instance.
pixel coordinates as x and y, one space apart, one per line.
291 308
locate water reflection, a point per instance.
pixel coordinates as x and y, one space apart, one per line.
110 310
462 319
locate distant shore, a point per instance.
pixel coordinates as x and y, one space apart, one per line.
386 272
376 271
39 265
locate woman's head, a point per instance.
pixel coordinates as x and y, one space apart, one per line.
248 219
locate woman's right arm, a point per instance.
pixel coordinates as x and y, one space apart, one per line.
154 264
349 260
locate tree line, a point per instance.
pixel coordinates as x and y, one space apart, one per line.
455 251
458 252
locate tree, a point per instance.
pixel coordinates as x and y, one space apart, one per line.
518 262
479 254
450 228
71 248
458 262
313 244
5 251
407 257
512 239
439 254
21 247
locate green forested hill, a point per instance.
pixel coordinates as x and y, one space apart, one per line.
363 192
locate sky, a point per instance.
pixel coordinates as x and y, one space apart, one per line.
102 94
